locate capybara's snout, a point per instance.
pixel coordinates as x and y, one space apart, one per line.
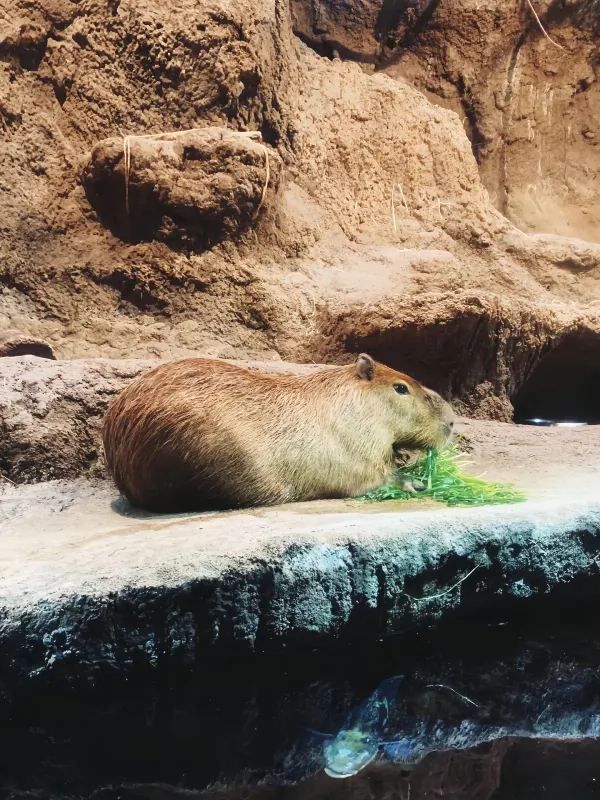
444 414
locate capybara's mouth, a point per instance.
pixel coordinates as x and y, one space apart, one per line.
448 430
443 440
421 443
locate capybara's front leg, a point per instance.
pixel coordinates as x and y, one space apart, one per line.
403 459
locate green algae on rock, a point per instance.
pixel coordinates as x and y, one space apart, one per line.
440 472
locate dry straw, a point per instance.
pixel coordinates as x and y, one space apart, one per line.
430 597
405 204
543 30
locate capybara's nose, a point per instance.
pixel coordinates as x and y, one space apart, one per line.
448 428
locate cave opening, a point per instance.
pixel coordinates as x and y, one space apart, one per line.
564 386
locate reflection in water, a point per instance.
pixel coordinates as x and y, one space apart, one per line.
506 770
359 741
402 722
496 718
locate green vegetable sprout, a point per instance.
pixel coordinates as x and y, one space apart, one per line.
440 472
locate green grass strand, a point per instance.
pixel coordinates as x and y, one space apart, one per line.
440 471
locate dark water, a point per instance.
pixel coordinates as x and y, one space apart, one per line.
502 711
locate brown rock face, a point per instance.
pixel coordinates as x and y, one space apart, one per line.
369 31
485 354
529 103
386 218
477 350
193 188
18 343
51 414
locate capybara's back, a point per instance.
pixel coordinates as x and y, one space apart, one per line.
204 434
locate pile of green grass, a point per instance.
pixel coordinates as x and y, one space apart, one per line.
440 472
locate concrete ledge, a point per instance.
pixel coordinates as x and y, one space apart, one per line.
88 586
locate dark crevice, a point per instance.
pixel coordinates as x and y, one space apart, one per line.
414 30
565 384
329 48
60 92
583 85
28 52
142 297
391 16
398 26
476 135
585 14
269 132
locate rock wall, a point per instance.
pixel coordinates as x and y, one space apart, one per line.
526 91
374 202
92 587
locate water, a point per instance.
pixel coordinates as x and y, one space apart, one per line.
495 711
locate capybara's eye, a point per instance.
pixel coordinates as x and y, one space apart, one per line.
401 388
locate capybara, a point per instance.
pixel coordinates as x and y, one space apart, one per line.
205 434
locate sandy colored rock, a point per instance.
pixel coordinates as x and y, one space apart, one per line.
381 202
121 69
529 105
51 418
526 103
19 343
191 189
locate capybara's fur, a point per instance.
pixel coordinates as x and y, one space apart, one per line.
200 433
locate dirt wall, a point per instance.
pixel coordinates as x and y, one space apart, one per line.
526 90
361 200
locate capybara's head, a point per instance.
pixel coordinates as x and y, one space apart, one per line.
417 417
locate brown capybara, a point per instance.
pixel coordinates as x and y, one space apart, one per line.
204 434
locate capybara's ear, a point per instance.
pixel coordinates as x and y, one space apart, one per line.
365 367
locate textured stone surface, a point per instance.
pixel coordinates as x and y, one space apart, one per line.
190 189
89 585
528 105
51 415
